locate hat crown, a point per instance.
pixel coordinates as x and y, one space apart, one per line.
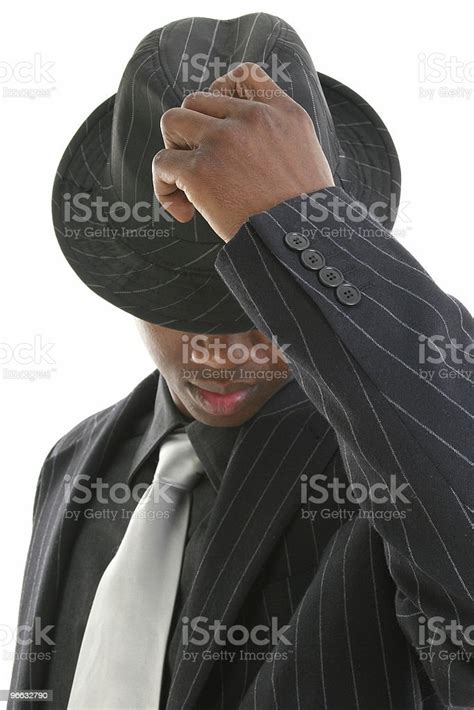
126 247
187 56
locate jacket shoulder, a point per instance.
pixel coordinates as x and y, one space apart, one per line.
136 403
98 432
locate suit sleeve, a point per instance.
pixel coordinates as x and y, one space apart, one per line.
387 357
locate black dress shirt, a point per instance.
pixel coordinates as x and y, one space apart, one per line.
123 479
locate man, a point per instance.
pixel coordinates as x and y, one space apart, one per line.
322 555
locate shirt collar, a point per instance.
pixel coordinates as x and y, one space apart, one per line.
213 445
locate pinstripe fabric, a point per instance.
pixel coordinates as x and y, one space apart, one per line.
359 365
350 589
265 578
166 275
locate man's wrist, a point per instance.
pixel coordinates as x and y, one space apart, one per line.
300 200
321 186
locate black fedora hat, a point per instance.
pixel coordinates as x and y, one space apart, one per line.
127 248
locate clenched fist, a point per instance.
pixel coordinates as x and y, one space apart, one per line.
236 150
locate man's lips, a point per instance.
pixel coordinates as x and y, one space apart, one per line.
221 399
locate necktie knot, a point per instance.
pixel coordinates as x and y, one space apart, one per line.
178 463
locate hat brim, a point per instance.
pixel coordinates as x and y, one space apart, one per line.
143 282
368 169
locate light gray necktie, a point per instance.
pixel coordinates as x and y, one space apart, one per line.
123 650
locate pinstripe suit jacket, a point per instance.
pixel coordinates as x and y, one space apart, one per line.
353 584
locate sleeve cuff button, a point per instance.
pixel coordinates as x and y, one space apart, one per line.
330 276
296 242
312 259
348 295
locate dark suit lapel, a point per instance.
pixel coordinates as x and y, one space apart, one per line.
53 538
55 529
260 493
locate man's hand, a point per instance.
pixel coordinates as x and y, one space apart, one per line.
237 150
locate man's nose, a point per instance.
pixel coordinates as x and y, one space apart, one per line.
224 351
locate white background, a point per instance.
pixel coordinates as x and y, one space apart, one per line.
96 353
